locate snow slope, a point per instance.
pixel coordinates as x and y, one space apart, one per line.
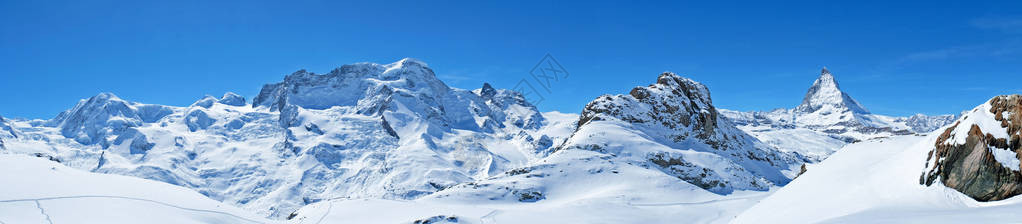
875 181
37 190
574 192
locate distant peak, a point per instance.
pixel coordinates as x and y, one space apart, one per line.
105 96
826 91
232 99
487 91
411 61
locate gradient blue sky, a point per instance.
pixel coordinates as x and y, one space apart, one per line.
895 58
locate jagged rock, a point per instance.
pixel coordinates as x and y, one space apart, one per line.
979 155
487 91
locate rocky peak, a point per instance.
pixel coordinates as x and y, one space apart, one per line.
487 91
979 154
676 113
673 102
824 93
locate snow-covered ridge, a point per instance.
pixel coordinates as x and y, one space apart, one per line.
363 130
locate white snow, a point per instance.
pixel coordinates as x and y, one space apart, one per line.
979 116
36 190
575 190
875 181
1006 158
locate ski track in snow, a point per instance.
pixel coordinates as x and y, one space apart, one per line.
43 211
691 203
329 207
36 200
490 217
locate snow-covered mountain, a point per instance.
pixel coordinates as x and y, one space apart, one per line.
652 151
360 131
669 127
394 131
366 137
969 175
827 119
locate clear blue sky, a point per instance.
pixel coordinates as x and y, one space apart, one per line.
895 58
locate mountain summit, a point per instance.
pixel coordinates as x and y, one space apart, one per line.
827 119
825 92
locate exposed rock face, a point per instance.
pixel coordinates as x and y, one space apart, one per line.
673 102
978 156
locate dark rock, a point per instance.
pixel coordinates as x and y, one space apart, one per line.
971 167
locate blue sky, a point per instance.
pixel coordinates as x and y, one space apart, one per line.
895 58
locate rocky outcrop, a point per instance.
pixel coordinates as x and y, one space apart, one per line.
673 102
979 154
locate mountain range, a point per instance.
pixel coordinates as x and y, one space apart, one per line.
365 141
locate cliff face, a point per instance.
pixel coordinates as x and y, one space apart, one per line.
979 155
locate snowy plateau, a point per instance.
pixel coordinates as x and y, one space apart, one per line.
391 143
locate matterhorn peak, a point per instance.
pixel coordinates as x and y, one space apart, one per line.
826 92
